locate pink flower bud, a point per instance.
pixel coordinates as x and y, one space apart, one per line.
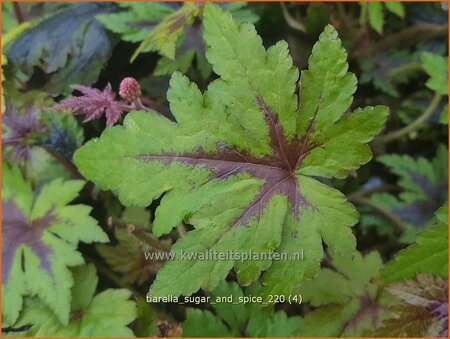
130 89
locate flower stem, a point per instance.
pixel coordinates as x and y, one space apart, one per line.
69 166
386 213
291 21
415 125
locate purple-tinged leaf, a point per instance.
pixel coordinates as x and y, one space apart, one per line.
237 161
130 257
93 104
354 304
24 131
423 311
40 237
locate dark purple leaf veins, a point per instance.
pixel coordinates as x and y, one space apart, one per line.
277 170
18 231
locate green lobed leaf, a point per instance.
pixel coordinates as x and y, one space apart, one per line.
376 16
242 153
348 301
105 314
234 318
41 233
428 255
349 279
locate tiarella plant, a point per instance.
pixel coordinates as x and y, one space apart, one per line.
40 237
161 150
241 161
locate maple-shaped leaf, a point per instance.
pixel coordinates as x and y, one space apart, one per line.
128 257
350 303
428 255
22 131
423 185
105 314
93 103
40 236
238 161
232 318
423 311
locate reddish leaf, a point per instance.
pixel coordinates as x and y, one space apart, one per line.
423 311
93 104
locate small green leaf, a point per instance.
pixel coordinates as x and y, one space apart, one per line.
348 302
376 16
436 67
428 255
349 279
165 36
396 8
